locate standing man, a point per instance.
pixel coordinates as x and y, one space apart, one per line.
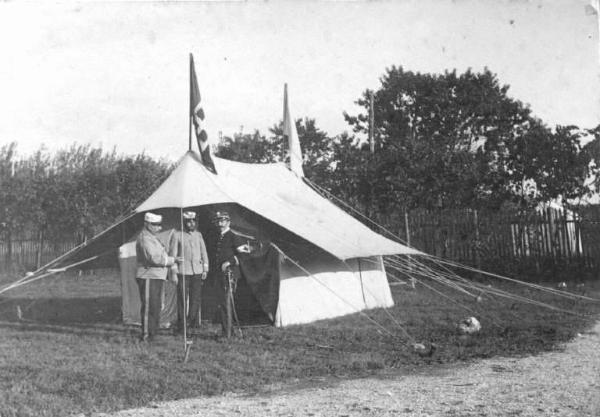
190 248
224 247
152 263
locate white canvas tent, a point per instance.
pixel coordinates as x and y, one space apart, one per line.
329 263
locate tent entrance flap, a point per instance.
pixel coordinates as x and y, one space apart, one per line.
257 292
260 277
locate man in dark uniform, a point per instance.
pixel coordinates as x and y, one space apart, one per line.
224 246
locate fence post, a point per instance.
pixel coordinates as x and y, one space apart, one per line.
40 248
9 250
407 229
577 229
538 228
477 243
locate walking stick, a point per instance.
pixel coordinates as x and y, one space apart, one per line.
235 316
187 344
230 305
228 298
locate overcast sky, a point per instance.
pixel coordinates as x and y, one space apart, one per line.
116 73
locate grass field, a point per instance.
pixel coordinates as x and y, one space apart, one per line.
68 353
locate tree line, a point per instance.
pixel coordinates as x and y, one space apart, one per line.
440 141
74 192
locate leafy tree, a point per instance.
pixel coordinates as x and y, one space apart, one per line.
548 164
8 208
134 179
248 148
79 190
454 140
592 152
256 148
37 185
10 212
316 148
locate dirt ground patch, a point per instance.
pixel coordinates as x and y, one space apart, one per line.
565 382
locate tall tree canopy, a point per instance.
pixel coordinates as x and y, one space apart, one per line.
257 148
75 191
453 140
592 154
248 148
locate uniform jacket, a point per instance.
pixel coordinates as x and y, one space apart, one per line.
223 248
195 259
152 257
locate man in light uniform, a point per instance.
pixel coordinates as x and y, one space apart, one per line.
190 248
152 263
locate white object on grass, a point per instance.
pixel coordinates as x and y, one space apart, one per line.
470 325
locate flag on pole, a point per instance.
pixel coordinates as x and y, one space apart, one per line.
289 132
197 115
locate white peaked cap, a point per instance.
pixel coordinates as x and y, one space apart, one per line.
189 215
152 218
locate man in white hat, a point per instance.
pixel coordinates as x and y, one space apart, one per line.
188 245
153 261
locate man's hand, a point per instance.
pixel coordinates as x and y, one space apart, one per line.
173 274
243 248
203 276
225 265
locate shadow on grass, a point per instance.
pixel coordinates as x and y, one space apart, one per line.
58 314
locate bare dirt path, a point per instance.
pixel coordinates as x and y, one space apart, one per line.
559 383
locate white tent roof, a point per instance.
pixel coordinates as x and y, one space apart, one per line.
275 193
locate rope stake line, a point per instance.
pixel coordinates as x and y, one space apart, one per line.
84 244
441 261
484 290
516 281
34 277
490 317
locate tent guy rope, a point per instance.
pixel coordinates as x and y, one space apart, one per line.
438 260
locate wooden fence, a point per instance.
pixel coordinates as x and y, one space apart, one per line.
542 239
27 253
539 241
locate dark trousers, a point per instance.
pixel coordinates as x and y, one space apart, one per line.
193 294
150 297
222 297
225 312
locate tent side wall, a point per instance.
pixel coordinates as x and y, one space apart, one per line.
331 290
